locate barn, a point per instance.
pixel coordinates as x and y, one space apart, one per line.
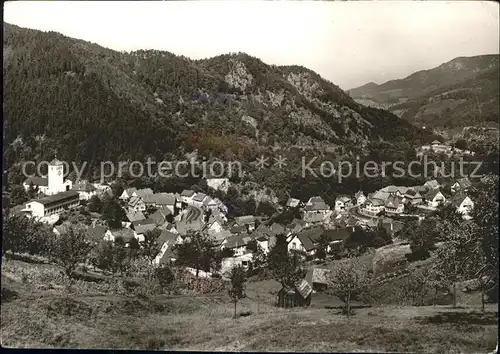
298 295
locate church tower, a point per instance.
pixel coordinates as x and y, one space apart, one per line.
56 177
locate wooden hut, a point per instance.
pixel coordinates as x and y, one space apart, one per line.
294 296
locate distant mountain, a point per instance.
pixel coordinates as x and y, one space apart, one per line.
92 103
461 92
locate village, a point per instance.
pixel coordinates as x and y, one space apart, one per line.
176 216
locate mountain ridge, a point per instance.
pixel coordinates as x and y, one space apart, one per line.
90 103
414 97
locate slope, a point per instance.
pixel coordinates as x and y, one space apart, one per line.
92 103
460 92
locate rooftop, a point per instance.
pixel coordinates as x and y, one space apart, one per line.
56 198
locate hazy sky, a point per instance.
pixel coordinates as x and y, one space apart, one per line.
349 43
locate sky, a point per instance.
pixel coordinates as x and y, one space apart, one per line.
349 43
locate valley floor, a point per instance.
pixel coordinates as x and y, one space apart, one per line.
32 317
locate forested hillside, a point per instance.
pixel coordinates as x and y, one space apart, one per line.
90 103
462 92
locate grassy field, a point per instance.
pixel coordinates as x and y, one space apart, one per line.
36 316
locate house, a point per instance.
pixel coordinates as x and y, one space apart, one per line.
126 235
213 226
462 184
413 197
359 197
432 184
142 192
247 221
187 196
218 183
434 198
292 203
342 203
336 237
96 233
210 204
166 241
85 190
136 204
313 200
394 204
41 183
373 206
160 200
228 263
198 199
237 243
294 296
463 203
128 193
160 216
135 216
53 204
295 226
141 227
318 278
221 206
305 240
61 229
316 210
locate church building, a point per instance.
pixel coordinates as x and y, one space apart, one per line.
54 182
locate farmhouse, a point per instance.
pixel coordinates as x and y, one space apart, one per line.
140 228
432 184
160 200
96 233
135 216
142 192
373 206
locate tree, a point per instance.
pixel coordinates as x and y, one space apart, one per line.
485 214
95 204
286 268
198 252
323 244
32 191
348 277
18 195
238 280
165 275
457 258
102 256
150 244
71 248
422 236
461 144
112 212
259 259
